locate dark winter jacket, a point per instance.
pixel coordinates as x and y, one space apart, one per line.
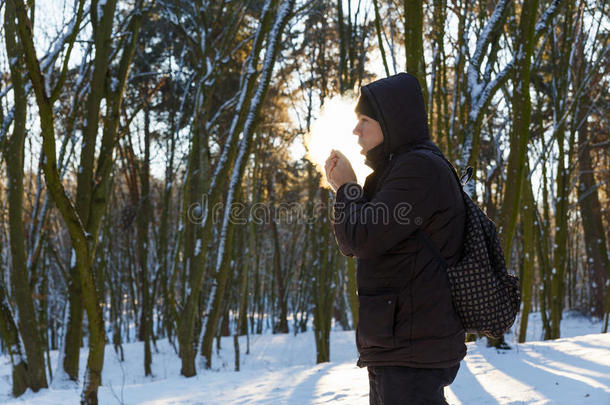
406 315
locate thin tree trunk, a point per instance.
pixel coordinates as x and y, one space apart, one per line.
324 284
562 180
379 37
143 216
543 237
527 278
282 325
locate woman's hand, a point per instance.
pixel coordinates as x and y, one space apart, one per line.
339 170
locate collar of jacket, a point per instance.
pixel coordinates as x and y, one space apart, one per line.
375 157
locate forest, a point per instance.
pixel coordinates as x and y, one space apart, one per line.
155 180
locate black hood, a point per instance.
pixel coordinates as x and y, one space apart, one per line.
399 104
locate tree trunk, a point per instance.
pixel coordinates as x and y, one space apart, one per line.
414 44
527 278
242 324
519 136
22 291
562 70
597 264
143 216
543 237
282 325
10 337
324 284
74 327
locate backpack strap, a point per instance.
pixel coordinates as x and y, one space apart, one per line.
468 173
421 235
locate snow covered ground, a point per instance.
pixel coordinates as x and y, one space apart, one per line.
281 369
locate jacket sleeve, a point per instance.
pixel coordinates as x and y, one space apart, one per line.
408 198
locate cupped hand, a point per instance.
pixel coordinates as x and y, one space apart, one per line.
330 164
339 170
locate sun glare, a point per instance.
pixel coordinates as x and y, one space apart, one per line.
333 130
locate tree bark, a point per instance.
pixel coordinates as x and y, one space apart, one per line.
414 43
143 216
528 217
519 136
562 179
324 283
597 263
22 291
282 325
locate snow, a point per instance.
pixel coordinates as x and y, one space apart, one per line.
281 369
172 17
197 247
73 258
114 84
541 24
100 9
7 121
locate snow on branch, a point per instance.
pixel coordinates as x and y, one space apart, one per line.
479 91
7 122
227 104
490 88
543 23
492 25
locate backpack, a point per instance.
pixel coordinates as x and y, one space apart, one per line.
485 296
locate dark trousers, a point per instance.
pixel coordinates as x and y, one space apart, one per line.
395 385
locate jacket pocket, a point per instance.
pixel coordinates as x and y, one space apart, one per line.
376 320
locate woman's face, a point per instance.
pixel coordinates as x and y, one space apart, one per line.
369 133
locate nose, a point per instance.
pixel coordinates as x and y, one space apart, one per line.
356 130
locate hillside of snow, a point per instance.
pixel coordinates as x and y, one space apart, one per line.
281 369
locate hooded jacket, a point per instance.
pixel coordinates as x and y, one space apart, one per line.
406 314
